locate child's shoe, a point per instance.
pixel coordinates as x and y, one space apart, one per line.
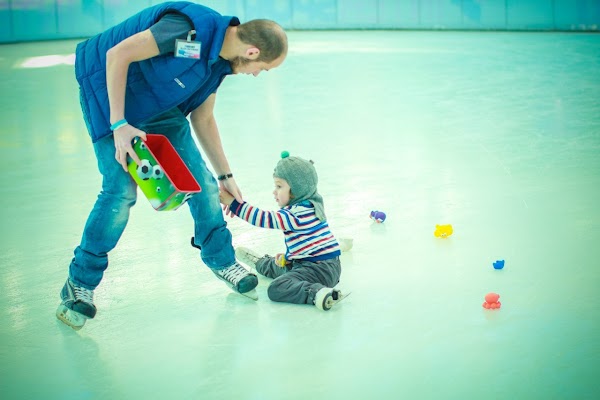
77 305
327 298
247 256
239 279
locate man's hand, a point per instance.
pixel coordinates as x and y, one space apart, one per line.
123 139
233 192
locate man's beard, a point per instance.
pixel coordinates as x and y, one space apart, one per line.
238 62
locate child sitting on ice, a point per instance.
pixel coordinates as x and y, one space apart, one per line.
310 268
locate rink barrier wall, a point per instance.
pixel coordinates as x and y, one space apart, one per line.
33 20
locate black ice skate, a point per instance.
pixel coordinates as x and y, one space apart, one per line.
77 305
239 279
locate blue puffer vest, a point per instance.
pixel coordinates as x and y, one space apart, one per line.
159 83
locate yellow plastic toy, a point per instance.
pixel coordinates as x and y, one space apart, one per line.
443 231
280 260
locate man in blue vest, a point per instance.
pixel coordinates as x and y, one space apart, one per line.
147 74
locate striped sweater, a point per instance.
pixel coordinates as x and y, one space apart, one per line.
306 237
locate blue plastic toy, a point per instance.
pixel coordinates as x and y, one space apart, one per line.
499 264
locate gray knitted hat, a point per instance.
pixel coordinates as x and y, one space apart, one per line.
302 177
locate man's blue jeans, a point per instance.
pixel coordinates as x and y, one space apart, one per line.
110 214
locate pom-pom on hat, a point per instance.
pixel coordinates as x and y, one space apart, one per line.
302 177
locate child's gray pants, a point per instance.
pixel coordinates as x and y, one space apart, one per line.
299 281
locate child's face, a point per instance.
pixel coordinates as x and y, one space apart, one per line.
282 192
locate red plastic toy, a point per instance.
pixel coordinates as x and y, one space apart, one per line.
491 301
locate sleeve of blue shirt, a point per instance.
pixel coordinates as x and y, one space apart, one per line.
170 27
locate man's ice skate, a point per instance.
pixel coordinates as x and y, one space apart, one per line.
77 305
239 279
70 317
328 297
247 256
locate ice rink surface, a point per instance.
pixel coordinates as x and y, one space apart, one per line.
497 134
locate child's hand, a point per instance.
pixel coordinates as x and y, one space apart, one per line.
225 197
280 260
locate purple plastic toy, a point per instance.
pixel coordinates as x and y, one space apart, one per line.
378 216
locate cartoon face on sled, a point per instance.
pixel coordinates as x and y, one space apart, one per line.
162 175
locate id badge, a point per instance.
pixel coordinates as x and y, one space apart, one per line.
188 48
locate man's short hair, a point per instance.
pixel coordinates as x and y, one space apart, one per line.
268 36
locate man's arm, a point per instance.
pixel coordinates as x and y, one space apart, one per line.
207 132
138 47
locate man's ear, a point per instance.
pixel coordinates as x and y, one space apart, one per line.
252 53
